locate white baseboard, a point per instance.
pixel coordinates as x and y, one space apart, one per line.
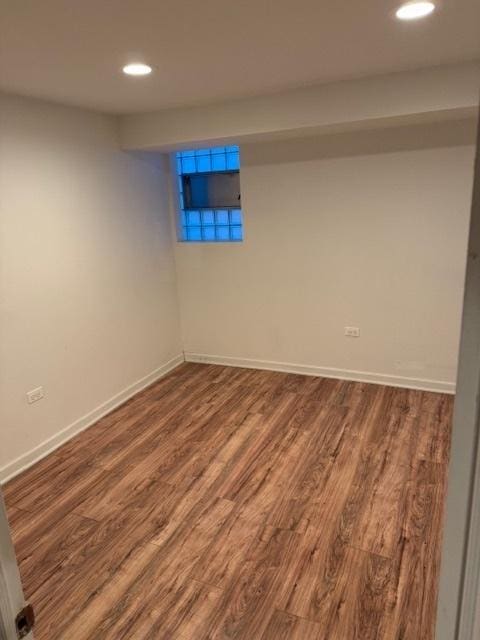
40 451
26 460
326 372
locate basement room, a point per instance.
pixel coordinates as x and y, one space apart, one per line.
240 320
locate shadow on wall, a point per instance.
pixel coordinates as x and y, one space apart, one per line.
362 143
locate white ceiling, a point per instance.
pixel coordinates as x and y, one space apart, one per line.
72 50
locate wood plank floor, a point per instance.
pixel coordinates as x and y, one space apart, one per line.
225 503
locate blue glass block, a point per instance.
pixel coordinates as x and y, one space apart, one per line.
194 233
208 217
204 163
188 165
233 161
208 225
236 233
223 233
222 216
235 216
219 162
209 233
193 217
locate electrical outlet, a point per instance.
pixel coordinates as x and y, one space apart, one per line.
352 332
35 395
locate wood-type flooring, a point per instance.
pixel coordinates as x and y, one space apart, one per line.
227 503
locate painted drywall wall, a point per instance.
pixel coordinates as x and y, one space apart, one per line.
365 229
87 290
437 93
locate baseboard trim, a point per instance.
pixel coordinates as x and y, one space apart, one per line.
23 462
326 372
28 459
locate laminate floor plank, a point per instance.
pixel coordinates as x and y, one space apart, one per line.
150 586
223 503
52 552
283 626
243 611
359 598
374 509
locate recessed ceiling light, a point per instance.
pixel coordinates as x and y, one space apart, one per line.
414 10
137 69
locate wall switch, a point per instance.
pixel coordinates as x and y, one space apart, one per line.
352 332
35 395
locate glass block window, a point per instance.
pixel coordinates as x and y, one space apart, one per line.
208 224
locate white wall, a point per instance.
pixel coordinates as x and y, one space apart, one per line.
87 289
366 229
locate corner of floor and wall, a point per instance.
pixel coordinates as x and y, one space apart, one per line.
362 228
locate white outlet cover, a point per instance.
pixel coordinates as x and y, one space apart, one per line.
34 395
352 332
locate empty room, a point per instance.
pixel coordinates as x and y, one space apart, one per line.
240 320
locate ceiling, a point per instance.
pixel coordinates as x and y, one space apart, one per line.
72 51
